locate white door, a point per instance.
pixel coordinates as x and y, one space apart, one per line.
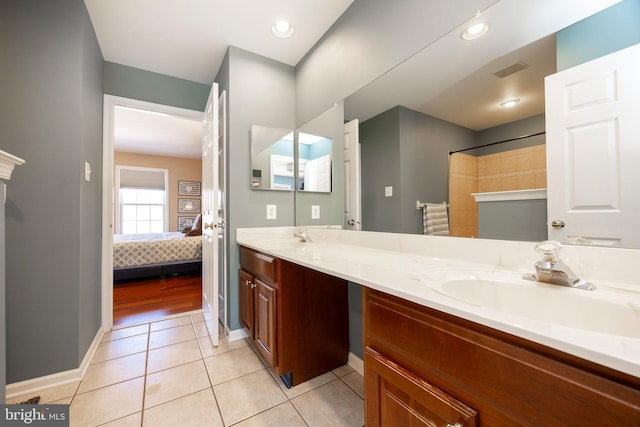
222 193
352 209
593 151
209 215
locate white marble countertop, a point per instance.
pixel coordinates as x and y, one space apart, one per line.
404 266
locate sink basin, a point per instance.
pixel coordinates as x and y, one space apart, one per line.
602 311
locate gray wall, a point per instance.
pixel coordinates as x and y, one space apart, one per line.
134 83
523 220
409 151
51 117
530 125
260 91
3 373
329 124
370 38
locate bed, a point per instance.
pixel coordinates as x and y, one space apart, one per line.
137 256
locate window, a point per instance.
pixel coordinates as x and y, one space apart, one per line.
142 200
142 210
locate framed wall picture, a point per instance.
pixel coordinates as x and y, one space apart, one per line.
188 188
188 205
185 221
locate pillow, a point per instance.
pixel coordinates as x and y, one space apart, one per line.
196 228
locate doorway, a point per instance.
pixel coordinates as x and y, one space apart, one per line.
113 106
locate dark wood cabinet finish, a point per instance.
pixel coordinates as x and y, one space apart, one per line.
296 317
508 380
265 320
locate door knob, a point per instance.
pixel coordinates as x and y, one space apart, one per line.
557 223
207 226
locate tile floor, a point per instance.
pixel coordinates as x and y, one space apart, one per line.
167 373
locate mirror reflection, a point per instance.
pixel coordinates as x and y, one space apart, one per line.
314 163
272 158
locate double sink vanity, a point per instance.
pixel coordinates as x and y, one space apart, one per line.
453 334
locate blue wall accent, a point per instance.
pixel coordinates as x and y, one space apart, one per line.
606 32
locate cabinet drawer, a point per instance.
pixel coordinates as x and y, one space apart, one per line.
397 397
259 264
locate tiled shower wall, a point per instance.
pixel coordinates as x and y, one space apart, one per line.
520 169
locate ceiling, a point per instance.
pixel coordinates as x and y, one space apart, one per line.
188 40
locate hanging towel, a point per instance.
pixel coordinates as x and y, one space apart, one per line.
434 220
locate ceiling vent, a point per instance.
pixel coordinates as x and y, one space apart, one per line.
518 66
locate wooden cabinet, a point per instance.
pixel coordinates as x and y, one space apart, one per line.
424 367
296 318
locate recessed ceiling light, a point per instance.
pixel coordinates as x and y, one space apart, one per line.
475 31
510 103
282 29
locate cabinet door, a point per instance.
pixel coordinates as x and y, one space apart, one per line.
265 320
395 396
246 288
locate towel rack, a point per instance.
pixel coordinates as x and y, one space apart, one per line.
420 205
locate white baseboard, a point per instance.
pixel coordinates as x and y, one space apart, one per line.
236 334
356 363
34 385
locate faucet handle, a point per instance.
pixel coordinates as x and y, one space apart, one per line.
550 249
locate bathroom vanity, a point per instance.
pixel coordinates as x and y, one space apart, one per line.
433 357
295 317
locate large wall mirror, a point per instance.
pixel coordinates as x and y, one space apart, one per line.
463 103
272 159
314 162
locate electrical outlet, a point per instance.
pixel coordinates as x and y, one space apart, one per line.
388 191
271 211
315 212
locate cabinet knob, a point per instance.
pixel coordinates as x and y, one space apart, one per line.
253 286
206 226
454 425
247 282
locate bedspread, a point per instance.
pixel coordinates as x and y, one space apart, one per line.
155 248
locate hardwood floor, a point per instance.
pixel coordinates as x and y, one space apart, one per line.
148 300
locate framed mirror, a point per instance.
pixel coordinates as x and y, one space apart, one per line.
272 158
315 167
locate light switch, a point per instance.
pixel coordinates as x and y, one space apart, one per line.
87 171
271 211
388 191
315 212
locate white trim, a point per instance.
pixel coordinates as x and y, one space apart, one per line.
500 196
236 334
34 385
7 163
110 103
356 363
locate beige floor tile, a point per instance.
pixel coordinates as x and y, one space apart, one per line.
120 347
134 420
223 346
174 383
170 323
201 329
113 371
107 404
356 382
247 396
343 370
195 410
282 415
173 355
195 318
232 364
125 332
333 405
171 336
307 385
49 395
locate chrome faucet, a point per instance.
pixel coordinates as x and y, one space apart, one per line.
551 269
302 235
